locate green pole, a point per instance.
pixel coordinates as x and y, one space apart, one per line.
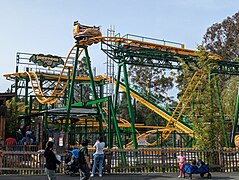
174 139
45 123
41 84
26 94
68 86
101 106
221 114
117 87
30 104
16 80
235 121
110 136
131 113
117 131
71 89
92 83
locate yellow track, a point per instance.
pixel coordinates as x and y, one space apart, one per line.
179 125
117 40
61 85
183 102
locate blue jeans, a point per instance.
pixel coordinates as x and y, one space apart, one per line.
98 159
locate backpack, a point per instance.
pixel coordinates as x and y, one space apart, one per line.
81 158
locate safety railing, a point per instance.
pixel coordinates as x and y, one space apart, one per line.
153 160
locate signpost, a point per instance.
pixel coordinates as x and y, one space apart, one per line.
46 60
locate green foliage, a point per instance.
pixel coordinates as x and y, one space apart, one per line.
152 81
206 119
222 38
204 111
229 97
14 109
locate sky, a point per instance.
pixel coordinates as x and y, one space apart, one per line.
45 26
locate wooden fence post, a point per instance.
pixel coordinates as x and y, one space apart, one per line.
163 160
1 160
221 161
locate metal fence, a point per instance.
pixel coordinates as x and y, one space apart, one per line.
152 160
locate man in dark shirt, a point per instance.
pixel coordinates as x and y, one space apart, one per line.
51 161
84 160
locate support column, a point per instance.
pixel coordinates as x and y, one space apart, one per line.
235 121
92 83
131 113
221 114
71 90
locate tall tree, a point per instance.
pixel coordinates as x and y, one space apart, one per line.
223 38
153 83
205 108
14 109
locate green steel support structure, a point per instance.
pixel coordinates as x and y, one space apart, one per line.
131 113
129 55
235 121
126 54
92 83
221 114
71 90
117 130
26 95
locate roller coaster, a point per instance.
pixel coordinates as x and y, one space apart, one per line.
78 101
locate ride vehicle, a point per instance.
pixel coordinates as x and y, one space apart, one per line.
82 32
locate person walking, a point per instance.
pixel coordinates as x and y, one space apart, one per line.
98 156
51 161
181 160
84 160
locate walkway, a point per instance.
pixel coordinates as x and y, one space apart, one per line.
162 176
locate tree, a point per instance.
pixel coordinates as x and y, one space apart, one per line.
204 112
14 109
152 82
223 38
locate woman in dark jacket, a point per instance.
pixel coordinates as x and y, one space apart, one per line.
51 161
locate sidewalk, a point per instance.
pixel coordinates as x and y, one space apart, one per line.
161 176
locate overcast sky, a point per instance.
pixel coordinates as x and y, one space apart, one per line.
45 26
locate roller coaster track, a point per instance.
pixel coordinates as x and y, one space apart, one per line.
174 119
183 102
137 43
181 126
59 87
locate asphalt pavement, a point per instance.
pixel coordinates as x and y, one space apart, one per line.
158 176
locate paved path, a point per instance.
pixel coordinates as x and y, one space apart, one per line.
161 176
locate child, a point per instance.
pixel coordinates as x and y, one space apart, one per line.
181 160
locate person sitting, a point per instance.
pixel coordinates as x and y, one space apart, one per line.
27 140
193 162
200 163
